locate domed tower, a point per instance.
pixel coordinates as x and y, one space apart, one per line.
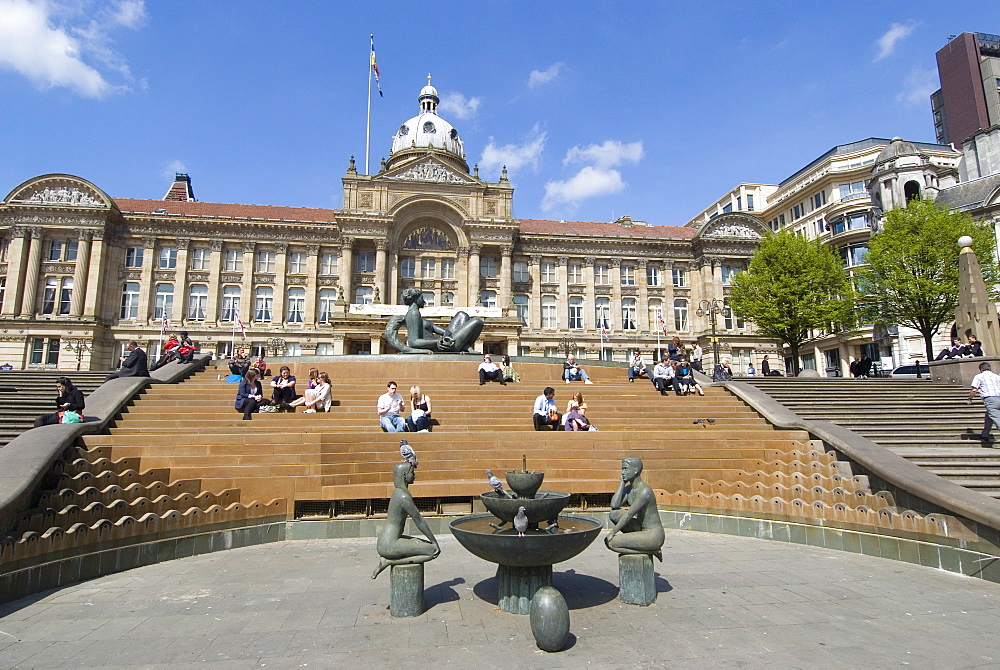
428 133
903 172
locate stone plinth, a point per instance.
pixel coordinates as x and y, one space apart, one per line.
406 590
637 583
960 371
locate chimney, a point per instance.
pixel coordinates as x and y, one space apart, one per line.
181 189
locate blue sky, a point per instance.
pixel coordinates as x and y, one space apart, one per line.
600 109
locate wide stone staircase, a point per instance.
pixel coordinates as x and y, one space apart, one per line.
24 394
928 424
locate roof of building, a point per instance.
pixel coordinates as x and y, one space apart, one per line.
970 194
897 148
868 143
227 210
586 228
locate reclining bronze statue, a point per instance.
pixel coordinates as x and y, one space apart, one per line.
425 337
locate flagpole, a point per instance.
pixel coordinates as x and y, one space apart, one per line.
368 125
659 329
159 340
232 343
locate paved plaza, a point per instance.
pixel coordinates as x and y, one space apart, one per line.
724 602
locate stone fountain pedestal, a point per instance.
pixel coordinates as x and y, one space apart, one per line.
518 585
637 582
406 590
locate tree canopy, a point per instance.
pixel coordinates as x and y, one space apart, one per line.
793 289
911 272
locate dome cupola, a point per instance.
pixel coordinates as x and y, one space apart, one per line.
426 131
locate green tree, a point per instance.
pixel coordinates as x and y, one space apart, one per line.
911 273
793 289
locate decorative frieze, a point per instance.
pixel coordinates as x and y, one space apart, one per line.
58 268
231 277
163 276
197 277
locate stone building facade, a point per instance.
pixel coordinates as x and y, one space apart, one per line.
81 272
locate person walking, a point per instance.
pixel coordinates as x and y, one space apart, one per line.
765 367
987 385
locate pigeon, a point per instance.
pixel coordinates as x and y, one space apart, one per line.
698 421
520 522
406 451
712 421
497 486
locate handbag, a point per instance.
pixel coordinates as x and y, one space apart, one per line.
267 409
69 416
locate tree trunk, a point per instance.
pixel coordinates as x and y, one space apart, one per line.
795 358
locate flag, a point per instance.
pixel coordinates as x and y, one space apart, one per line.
604 330
165 324
239 322
375 67
663 324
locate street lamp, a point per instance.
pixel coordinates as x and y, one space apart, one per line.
712 307
276 344
568 344
80 346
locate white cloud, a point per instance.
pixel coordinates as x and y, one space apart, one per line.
918 86
593 180
606 155
458 106
50 53
887 42
171 169
514 156
539 77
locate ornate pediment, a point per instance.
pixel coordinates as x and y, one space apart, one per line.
733 226
60 190
429 170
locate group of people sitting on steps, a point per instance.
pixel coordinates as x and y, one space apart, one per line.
677 375
391 410
250 394
959 350
545 413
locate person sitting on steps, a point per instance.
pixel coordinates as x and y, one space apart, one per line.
490 372
573 372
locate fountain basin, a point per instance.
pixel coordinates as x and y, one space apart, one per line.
524 484
545 506
536 548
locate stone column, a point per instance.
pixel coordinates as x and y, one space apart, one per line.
214 272
376 344
20 241
380 269
535 308
80 275
406 589
280 272
96 279
180 285
312 271
392 259
472 275
462 270
147 287
562 301
590 298
31 274
246 286
642 308
504 297
345 268
338 344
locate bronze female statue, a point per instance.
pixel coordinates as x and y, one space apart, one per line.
424 337
393 547
637 530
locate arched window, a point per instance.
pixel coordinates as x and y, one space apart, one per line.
521 305
197 303
263 301
549 311
602 310
628 313
576 312
164 306
656 320
680 315
130 301
296 305
911 190
489 298
364 295
230 302
327 303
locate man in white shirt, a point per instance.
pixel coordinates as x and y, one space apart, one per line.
490 371
390 405
663 376
545 413
987 384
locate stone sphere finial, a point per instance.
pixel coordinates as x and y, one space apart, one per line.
964 241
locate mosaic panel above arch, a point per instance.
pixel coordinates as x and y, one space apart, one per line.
427 238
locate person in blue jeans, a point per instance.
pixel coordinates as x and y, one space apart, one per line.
390 405
573 372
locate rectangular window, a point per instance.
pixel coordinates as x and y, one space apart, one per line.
489 298
653 275
324 349
628 275
328 264
602 312
296 305
428 268
549 311
781 219
65 295
739 203
3 289
732 321
49 295
168 258
365 262
199 259
521 305
487 267
576 313
364 295
265 262
44 351
297 263
230 302
407 267
164 304
853 191
574 273
749 202
601 275
198 303
263 302
548 272
429 298
133 257
679 277
55 250
796 212
521 271
448 268
728 208
628 314
680 315
130 301
728 272
234 261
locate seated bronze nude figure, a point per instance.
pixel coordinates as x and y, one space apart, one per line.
392 546
638 529
425 337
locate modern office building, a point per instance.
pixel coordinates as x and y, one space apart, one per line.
81 272
969 98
